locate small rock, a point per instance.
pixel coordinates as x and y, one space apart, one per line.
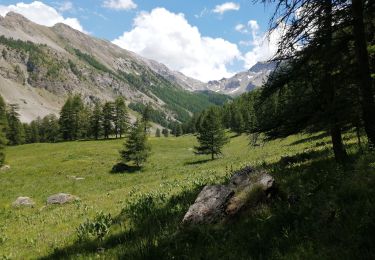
5 168
61 198
23 202
209 205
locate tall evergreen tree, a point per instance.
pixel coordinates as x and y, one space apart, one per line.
79 118
121 117
136 148
146 117
237 121
3 127
50 124
96 121
211 135
108 119
15 131
66 120
165 132
157 133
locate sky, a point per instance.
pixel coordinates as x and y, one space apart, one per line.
206 40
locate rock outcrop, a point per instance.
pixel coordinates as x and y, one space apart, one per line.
215 203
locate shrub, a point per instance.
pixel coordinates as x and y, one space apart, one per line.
97 228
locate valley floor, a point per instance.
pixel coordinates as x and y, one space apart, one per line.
332 216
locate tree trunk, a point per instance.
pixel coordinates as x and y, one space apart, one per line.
330 90
365 81
338 146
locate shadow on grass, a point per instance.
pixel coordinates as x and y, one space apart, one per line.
323 210
120 167
198 162
310 139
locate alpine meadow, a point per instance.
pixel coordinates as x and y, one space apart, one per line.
132 129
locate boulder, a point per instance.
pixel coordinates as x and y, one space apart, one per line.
209 206
61 198
246 188
5 168
23 202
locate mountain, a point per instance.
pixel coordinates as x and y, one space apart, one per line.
243 81
41 66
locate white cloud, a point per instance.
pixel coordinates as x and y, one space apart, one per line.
120 4
66 6
169 38
41 13
264 46
228 6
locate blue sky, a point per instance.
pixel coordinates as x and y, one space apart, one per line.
203 39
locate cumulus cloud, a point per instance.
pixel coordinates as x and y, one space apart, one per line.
228 6
169 38
120 4
264 45
41 13
66 6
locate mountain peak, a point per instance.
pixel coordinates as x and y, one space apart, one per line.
13 16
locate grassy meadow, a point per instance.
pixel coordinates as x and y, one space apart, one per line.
147 205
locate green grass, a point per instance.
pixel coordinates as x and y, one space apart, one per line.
147 206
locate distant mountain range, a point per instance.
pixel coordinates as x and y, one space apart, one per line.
40 66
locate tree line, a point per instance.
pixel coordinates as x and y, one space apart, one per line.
77 121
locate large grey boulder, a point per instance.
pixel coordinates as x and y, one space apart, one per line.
61 198
23 202
209 206
246 188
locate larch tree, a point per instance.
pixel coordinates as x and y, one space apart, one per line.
211 134
3 127
121 117
136 148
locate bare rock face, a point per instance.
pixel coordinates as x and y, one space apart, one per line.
61 198
209 206
247 187
23 202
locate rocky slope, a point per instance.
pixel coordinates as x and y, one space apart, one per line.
40 66
243 81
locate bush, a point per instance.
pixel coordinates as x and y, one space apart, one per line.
97 228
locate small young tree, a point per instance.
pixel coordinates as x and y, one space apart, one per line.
107 119
211 135
157 134
121 117
3 127
136 148
165 132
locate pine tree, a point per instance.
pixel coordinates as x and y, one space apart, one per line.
237 121
50 124
211 135
121 117
136 148
146 117
96 121
165 132
157 133
3 127
66 120
78 117
15 131
108 119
